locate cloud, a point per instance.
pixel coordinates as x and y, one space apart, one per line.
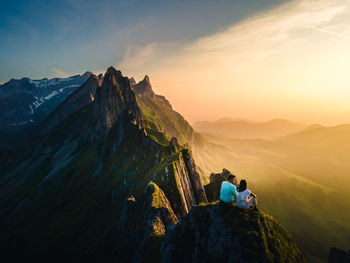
329 32
260 67
60 73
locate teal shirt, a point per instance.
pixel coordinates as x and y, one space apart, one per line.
228 192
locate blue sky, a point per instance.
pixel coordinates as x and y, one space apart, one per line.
54 38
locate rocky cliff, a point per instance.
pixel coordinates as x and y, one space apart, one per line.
338 256
212 189
216 233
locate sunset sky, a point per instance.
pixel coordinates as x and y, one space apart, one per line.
211 59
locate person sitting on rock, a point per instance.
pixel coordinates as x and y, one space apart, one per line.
245 197
228 191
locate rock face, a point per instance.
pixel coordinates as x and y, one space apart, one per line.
338 256
212 189
83 96
144 87
157 210
143 223
195 179
114 96
212 233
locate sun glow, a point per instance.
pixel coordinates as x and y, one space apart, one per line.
290 62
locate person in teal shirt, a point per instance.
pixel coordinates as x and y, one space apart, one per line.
228 191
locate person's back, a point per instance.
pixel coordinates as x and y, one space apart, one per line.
228 191
245 197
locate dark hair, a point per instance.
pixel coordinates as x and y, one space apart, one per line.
242 185
231 177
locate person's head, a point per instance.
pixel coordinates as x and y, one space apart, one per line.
242 185
232 179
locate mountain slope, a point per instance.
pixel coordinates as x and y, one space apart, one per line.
66 195
26 102
161 117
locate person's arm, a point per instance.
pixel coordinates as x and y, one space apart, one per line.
250 197
234 193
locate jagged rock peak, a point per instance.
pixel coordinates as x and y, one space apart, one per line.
144 87
114 96
87 74
146 80
132 81
113 73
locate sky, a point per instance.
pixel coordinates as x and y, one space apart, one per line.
250 59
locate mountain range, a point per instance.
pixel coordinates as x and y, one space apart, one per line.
26 102
245 129
112 172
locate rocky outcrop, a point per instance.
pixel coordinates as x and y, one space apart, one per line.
195 179
212 189
338 256
157 212
143 223
212 233
112 97
181 181
143 88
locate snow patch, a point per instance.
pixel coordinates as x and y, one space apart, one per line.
49 82
52 94
20 123
31 109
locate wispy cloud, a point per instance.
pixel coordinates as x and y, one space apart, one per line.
329 32
60 73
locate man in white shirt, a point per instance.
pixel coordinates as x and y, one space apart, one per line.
228 192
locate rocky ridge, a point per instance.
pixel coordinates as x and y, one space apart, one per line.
102 182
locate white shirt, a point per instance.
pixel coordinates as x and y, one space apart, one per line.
242 197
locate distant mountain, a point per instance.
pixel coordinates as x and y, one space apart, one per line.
237 128
101 182
289 172
26 102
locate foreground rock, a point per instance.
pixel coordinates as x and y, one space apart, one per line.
338 256
213 233
212 189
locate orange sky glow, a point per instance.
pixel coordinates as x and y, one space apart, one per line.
292 61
